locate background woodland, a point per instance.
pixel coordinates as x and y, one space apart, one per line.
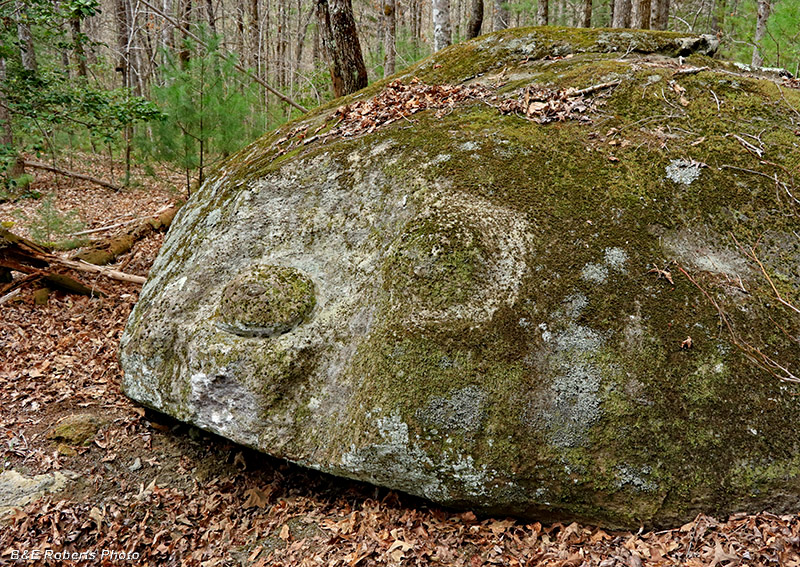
184 83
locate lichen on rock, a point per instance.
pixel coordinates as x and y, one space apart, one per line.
493 313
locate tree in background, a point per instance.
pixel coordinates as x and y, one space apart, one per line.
762 15
763 33
542 13
659 14
475 19
208 110
43 102
441 24
622 14
341 46
390 31
501 17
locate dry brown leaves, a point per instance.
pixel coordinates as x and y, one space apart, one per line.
542 105
97 206
792 83
395 102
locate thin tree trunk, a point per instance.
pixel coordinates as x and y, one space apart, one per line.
659 14
441 24
640 17
761 30
282 44
255 36
186 18
500 15
26 48
123 42
166 39
542 13
7 131
77 45
475 19
622 14
303 22
341 46
212 20
415 18
390 19
6 134
586 15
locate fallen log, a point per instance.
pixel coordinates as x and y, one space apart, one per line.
82 266
106 251
22 255
73 174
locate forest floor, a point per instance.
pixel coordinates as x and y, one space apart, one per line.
146 490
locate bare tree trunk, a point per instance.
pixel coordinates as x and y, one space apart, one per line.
341 46
622 14
659 14
26 49
441 24
761 30
186 20
500 15
212 19
416 18
7 132
586 15
123 42
255 37
419 24
266 42
281 45
475 19
303 22
542 13
389 48
77 44
166 40
640 16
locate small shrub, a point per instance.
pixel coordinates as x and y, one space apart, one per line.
51 228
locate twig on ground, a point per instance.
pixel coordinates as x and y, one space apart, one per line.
76 175
689 71
9 296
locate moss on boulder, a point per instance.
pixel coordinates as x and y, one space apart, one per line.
266 301
588 319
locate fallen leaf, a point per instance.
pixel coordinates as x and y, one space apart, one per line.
256 498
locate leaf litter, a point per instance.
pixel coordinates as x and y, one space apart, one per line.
194 499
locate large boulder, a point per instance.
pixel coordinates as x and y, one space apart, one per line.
523 299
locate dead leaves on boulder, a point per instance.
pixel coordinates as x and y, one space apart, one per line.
395 102
543 105
398 101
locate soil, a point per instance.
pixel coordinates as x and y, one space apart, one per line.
153 491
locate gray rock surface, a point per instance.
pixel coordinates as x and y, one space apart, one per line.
17 490
493 313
